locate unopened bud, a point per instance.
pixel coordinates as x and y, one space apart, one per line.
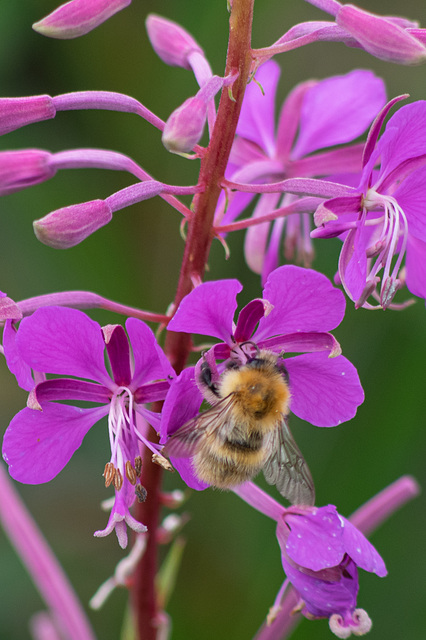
380 37
170 41
22 169
66 227
18 112
185 126
78 17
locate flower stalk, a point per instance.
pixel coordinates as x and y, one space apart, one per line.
197 248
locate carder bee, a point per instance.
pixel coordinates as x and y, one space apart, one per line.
246 430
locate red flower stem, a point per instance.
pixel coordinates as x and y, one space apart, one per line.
196 253
200 226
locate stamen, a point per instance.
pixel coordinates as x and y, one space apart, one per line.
385 247
138 465
109 472
118 480
141 493
130 473
157 458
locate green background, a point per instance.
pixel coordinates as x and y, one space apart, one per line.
231 568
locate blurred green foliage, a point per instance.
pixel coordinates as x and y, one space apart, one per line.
231 569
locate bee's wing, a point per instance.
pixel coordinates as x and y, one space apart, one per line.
286 468
214 422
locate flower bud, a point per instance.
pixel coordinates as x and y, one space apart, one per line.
78 17
22 169
380 37
170 41
18 112
66 227
185 126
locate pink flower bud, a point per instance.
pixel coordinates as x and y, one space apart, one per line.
18 112
185 126
170 41
78 17
22 169
381 37
66 227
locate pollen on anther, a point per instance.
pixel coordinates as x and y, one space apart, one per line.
141 493
138 465
109 472
131 473
118 480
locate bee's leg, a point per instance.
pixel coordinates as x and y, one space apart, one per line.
207 376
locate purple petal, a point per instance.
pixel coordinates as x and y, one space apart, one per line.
150 362
152 392
361 550
303 299
411 197
248 318
182 404
353 263
256 237
289 118
315 539
63 341
303 342
117 346
324 391
338 110
38 444
208 310
70 389
415 264
257 122
375 128
404 137
321 596
14 361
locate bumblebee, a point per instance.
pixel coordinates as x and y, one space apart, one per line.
246 430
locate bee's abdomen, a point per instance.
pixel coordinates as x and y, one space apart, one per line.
231 462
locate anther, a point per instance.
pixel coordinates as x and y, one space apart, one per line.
118 480
157 458
130 473
109 472
138 465
141 493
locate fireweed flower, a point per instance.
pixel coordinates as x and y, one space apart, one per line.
78 17
315 117
321 552
297 310
41 438
384 219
